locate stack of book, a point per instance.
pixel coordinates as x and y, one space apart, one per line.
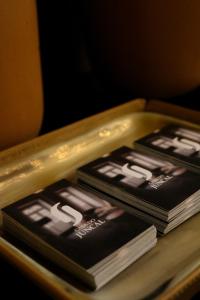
80 231
178 144
157 190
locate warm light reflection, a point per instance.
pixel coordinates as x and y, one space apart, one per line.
37 164
95 138
105 133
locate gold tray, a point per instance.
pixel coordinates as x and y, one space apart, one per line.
46 159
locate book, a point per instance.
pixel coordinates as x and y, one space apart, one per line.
157 190
79 231
178 144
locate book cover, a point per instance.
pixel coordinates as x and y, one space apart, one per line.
154 182
180 143
78 225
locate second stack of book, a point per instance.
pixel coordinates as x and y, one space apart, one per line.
157 190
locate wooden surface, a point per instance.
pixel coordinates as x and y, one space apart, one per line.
35 164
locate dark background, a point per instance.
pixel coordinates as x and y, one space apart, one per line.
72 90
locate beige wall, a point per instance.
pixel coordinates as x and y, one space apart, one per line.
21 100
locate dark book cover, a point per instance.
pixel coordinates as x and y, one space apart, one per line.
80 225
152 180
179 142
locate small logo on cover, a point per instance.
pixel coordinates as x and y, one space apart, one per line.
136 171
66 214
